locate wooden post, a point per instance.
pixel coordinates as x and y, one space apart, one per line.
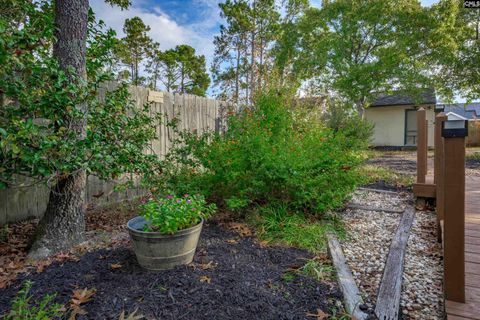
426 146
438 164
421 146
454 218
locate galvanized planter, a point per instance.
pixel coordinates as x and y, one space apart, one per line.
156 251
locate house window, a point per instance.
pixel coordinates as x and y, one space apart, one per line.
411 127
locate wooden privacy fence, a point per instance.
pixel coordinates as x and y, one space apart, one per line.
473 139
194 113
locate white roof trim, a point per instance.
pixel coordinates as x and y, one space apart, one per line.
454 116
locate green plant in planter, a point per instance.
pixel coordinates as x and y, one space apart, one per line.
170 214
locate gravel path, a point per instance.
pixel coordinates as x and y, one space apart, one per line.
369 234
423 273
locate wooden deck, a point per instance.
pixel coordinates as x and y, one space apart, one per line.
471 308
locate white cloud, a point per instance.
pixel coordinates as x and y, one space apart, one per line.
164 29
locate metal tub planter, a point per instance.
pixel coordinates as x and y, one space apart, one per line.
157 251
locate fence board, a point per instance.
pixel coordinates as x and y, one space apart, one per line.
197 114
3 207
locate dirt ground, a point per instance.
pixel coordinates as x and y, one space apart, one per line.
232 277
405 162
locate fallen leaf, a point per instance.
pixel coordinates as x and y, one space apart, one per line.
115 266
205 279
232 241
76 311
294 267
320 315
65 256
81 296
206 266
241 228
131 316
81 248
263 243
42 264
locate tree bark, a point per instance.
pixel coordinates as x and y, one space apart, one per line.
182 79
253 57
237 71
63 224
360 109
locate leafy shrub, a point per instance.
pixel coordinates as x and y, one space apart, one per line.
171 214
22 309
268 155
340 117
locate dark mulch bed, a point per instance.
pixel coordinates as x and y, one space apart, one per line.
472 163
247 282
395 162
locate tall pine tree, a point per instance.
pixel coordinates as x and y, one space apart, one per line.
134 48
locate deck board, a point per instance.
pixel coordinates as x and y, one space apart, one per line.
471 309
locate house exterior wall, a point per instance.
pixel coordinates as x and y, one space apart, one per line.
389 122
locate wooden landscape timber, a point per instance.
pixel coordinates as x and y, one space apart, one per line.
389 293
351 295
377 190
368 208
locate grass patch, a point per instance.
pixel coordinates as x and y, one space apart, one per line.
473 155
26 308
278 225
318 270
373 174
372 153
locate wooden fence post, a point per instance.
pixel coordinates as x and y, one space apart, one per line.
421 146
438 170
454 216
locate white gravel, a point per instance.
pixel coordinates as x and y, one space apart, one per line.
369 234
423 273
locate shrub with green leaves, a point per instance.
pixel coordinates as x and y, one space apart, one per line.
170 214
268 155
24 309
341 117
38 100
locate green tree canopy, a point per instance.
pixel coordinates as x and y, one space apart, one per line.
134 47
54 126
356 49
243 63
454 49
179 70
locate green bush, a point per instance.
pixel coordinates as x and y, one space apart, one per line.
170 214
268 155
23 309
340 117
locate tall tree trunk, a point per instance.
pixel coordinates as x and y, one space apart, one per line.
182 79
155 77
253 55
360 105
237 71
252 68
63 224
